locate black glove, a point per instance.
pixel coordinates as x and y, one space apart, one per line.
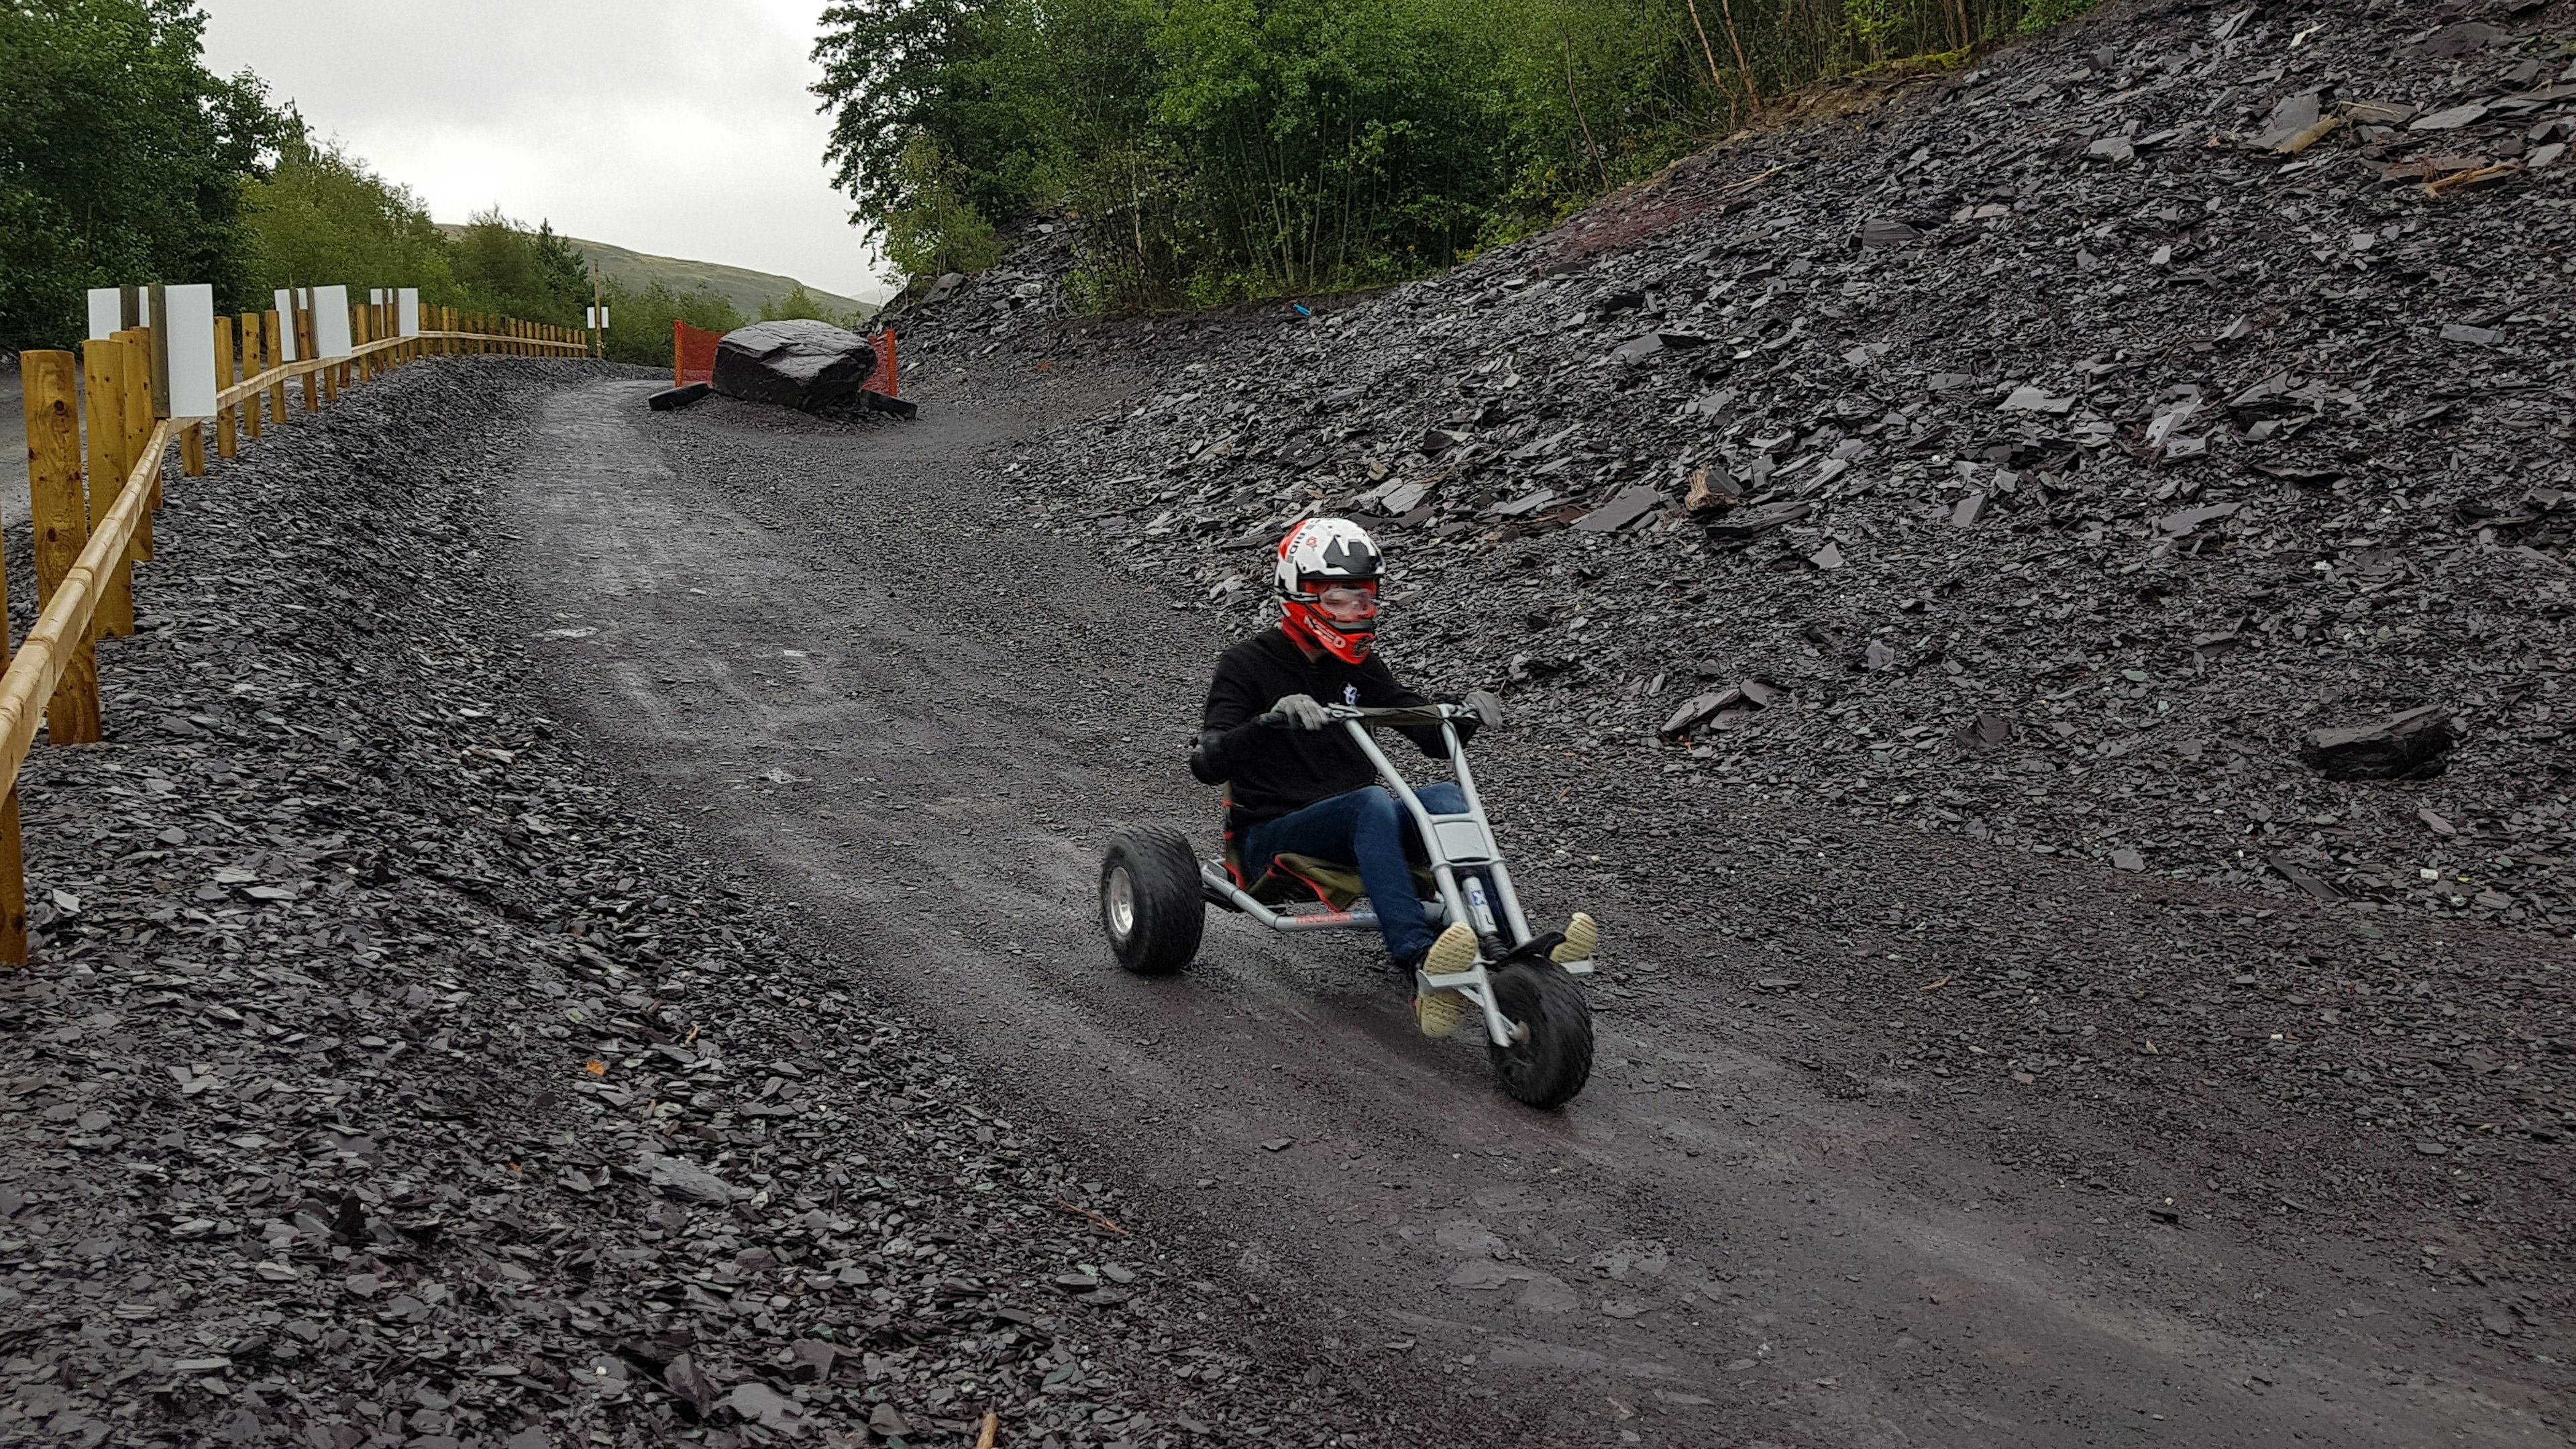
1488 707
1301 712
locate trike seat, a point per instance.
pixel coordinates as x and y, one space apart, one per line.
1296 878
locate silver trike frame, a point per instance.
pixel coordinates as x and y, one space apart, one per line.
1452 844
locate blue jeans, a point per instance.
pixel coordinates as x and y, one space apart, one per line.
1371 829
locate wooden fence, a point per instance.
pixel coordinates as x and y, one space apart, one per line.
88 538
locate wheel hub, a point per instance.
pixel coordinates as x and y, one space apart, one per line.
1121 904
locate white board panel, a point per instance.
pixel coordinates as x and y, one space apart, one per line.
407 312
331 324
190 331
286 325
106 312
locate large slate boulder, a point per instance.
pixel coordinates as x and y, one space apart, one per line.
2408 746
793 364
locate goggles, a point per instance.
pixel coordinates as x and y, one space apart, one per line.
1347 603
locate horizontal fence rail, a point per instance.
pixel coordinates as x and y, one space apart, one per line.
85 552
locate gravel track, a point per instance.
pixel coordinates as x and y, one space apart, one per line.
387 1078
1804 1198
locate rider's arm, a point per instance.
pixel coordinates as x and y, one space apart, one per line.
1226 724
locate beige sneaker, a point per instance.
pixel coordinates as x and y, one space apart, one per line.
1582 938
1437 1012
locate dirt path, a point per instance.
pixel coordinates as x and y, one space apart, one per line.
915 717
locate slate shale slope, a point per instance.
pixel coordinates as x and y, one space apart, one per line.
2067 448
302 1142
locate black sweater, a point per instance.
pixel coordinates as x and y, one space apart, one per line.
1276 771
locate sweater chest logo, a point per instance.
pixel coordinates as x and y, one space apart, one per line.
1351 695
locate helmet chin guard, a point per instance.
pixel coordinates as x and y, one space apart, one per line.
1328 573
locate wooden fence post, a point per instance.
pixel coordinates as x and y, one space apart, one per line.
251 367
137 367
272 350
13 874
227 372
59 518
13 855
304 354
103 367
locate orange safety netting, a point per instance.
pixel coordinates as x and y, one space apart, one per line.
693 358
886 374
693 354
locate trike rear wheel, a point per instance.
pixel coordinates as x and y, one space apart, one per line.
1151 903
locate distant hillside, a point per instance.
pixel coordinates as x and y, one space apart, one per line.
745 288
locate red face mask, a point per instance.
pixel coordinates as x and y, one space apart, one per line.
1338 618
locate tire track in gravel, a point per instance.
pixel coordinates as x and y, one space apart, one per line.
918 718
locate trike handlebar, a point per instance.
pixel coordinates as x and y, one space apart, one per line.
1394 717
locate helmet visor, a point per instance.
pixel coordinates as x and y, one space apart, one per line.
1347 603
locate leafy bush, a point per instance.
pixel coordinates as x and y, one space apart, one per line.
639 323
2038 15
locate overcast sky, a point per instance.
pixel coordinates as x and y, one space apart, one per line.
679 127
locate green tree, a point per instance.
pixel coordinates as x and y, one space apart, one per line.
122 159
321 216
1212 149
932 227
537 276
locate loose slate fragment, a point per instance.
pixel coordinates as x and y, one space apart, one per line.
1403 498
2410 746
2292 116
2028 399
1880 232
2308 884
684 1178
1526 503
2452 119
683 1377
2465 38
1985 732
1749 522
1712 404
767 1407
2181 524
2474 336
1632 503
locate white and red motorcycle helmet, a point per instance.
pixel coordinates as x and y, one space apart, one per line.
1328 580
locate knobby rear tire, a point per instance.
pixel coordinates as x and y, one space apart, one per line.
1549 1066
1152 906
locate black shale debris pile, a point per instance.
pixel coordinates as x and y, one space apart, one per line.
384 1080
2093 453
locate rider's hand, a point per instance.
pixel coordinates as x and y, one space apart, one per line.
1301 712
1487 705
